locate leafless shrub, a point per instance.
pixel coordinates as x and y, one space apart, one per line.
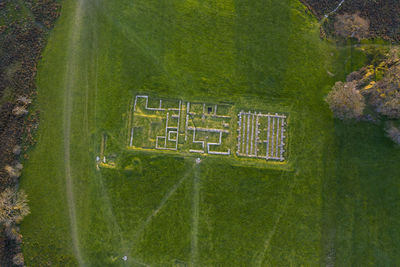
12 232
19 111
391 107
345 101
18 166
355 75
13 206
393 133
351 26
24 100
12 171
17 150
394 54
11 71
18 259
385 94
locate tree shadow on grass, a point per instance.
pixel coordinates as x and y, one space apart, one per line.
364 197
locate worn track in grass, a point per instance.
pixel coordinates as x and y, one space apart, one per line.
69 84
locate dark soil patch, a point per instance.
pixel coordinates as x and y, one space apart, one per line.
383 14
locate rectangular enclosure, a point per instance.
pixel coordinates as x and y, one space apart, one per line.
261 135
205 128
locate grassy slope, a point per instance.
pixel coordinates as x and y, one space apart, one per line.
268 51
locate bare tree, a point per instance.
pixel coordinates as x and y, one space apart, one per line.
19 111
351 26
345 101
391 107
15 171
24 100
13 206
12 232
17 150
393 133
18 259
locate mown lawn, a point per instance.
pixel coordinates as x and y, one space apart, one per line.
338 201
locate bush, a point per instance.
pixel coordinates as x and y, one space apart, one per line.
351 26
391 107
18 259
13 206
385 94
393 133
12 232
345 101
19 111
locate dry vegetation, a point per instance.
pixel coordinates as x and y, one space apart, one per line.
373 92
376 86
382 15
345 101
351 26
13 207
23 28
393 133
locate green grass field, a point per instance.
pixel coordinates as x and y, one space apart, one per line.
337 203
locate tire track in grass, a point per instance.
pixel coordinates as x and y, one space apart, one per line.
110 216
139 262
111 221
261 254
162 203
69 83
195 218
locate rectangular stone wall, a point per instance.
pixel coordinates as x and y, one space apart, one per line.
205 128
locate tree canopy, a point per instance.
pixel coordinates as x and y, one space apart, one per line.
351 26
345 101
